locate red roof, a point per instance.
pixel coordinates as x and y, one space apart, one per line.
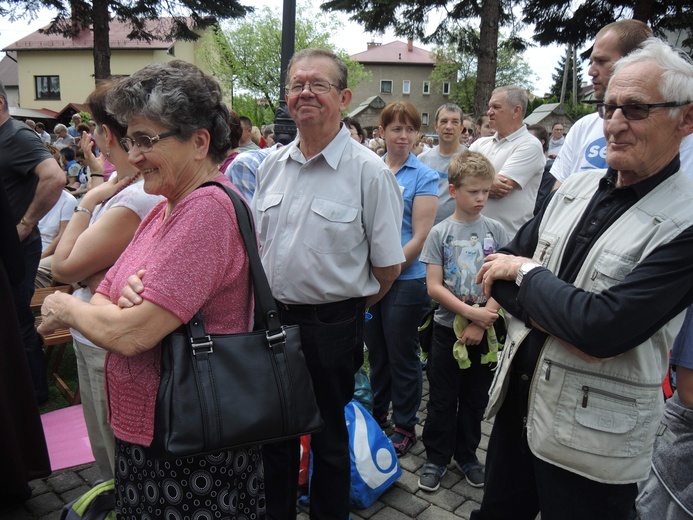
85 41
395 52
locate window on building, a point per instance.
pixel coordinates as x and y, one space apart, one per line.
424 118
47 87
446 88
386 86
406 87
426 87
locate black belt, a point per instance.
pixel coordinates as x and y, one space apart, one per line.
304 308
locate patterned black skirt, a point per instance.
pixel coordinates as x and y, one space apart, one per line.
221 485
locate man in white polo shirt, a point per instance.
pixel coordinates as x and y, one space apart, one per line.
517 157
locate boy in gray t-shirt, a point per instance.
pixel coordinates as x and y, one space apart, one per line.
454 251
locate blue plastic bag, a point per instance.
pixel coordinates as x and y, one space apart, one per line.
374 465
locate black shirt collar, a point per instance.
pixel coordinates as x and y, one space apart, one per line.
644 187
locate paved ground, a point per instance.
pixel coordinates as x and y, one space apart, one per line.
455 499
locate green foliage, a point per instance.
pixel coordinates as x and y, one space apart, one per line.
246 55
86 116
561 22
557 78
458 27
248 105
512 69
410 18
73 17
537 102
579 110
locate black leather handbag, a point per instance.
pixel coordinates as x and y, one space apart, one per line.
228 390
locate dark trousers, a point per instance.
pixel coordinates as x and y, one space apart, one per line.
393 351
332 340
456 401
518 485
22 293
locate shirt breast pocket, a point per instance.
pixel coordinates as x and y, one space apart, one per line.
267 208
332 226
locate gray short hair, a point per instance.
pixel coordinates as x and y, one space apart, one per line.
450 107
315 53
676 80
59 128
514 96
268 131
178 95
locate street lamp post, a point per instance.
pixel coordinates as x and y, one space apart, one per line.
284 126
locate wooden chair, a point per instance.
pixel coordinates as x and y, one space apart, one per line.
57 340
40 295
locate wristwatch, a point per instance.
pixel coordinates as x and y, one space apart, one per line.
523 270
24 222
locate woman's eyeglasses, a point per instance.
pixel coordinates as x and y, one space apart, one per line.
144 142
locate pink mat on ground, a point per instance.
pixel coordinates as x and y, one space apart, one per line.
66 437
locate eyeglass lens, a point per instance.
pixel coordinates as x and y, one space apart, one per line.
631 112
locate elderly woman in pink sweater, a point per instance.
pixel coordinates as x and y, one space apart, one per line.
194 258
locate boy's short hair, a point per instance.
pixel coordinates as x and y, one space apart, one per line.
68 153
469 164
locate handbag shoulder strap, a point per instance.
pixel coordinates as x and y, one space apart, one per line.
266 315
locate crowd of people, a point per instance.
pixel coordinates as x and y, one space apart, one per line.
558 267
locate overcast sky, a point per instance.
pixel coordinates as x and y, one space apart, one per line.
352 38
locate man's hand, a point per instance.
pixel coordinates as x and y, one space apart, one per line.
130 296
23 231
499 267
500 188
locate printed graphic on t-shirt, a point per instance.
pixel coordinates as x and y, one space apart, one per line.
595 155
462 260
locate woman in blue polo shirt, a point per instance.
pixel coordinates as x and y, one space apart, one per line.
391 335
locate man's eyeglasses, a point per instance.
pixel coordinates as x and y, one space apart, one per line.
144 142
316 87
635 111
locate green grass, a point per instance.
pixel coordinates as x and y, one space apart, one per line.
68 371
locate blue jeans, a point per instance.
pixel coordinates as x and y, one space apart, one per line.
332 341
456 401
22 293
393 351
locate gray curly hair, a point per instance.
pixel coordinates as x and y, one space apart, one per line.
178 95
